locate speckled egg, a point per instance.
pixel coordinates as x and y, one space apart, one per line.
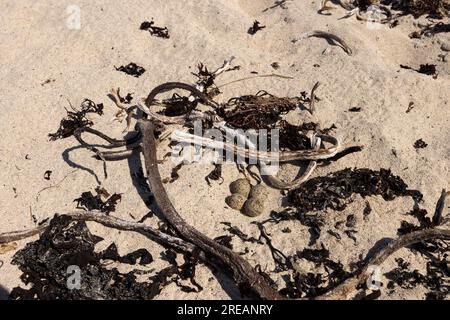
235 201
253 207
240 186
259 191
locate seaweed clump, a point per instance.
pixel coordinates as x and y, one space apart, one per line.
434 251
417 8
66 243
255 27
433 280
76 119
45 264
315 284
335 190
260 111
132 69
88 201
160 32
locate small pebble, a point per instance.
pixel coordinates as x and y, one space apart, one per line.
253 207
240 186
235 201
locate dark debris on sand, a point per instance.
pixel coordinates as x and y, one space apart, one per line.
76 119
436 253
306 285
132 69
255 28
420 144
334 191
65 243
88 201
160 32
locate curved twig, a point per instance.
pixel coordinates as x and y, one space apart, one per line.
277 183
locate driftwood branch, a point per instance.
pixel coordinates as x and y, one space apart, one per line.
244 274
107 221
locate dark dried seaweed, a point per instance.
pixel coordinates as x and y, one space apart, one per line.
275 65
205 78
350 234
420 144
127 99
215 174
435 251
88 201
177 105
260 111
433 280
318 256
47 174
417 8
255 28
277 4
241 235
314 284
293 137
431 30
334 234
428 69
225 241
132 69
76 119
313 221
187 272
174 176
335 190
367 210
65 243
160 32
282 262
351 221
142 255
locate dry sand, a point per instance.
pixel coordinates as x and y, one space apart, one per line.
36 45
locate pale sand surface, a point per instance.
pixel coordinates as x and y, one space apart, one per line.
36 45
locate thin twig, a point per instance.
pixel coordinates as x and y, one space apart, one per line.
326 35
108 221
